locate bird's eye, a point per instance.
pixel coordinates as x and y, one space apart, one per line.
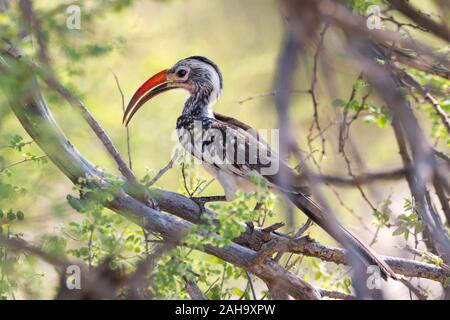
181 73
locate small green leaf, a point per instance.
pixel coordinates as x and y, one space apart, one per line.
381 121
359 84
238 291
20 215
352 104
339 103
11 215
446 283
400 230
318 275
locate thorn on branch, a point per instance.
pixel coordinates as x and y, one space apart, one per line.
303 228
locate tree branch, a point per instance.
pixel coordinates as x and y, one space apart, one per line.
404 7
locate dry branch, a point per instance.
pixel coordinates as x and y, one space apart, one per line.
418 17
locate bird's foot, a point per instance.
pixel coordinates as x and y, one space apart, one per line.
201 201
209 199
152 204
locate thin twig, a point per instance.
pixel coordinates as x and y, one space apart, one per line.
363 178
91 238
161 172
12 147
20 162
268 94
312 92
343 128
251 285
130 163
427 95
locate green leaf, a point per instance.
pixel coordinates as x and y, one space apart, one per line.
20 215
420 227
11 215
352 104
400 230
315 264
446 282
54 245
75 203
339 103
6 190
381 121
238 291
359 84
318 275
214 293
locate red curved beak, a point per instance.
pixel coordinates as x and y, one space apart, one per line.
152 87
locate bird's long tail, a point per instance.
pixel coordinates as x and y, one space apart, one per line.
340 233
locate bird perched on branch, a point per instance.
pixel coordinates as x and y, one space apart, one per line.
231 151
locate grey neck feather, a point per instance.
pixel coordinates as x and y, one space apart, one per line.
199 104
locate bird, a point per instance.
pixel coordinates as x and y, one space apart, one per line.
234 153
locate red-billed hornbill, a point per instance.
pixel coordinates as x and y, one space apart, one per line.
223 139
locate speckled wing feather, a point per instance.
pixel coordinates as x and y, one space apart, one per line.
293 182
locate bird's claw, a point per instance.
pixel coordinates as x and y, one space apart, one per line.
153 204
201 201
